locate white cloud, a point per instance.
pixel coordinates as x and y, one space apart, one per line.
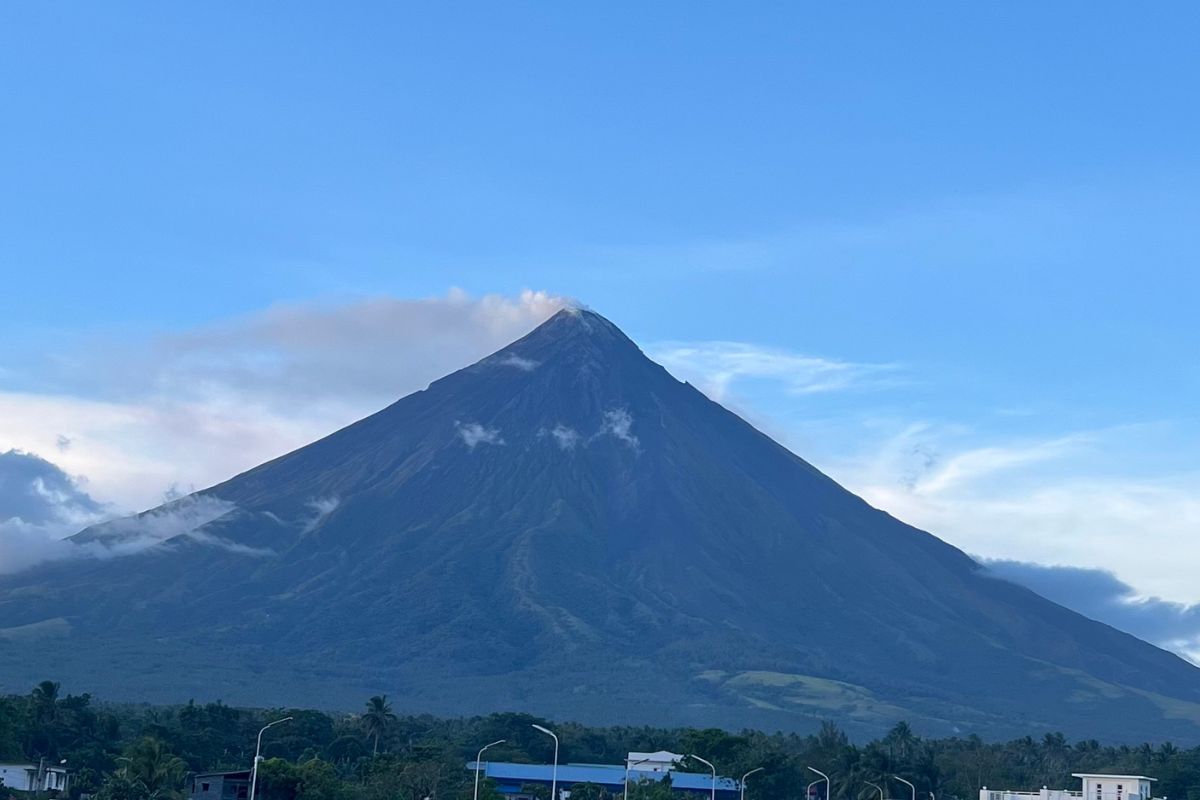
619 423
1069 499
716 366
472 434
194 408
567 438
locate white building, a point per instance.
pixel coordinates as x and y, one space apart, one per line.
1115 787
658 761
1095 787
24 778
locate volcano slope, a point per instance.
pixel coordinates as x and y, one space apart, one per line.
565 528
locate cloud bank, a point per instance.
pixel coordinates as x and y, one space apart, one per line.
39 505
37 492
1100 595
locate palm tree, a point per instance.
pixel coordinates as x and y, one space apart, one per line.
149 763
377 719
45 701
901 740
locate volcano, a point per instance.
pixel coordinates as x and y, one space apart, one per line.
565 528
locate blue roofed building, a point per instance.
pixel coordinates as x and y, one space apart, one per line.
513 779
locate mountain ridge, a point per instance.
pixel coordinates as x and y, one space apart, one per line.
562 525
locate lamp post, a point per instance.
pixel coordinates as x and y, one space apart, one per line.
479 758
625 796
877 786
908 784
742 795
713 790
808 789
554 775
257 757
828 785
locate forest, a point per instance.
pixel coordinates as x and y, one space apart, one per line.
147 752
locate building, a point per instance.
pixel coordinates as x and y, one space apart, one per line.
1114 787
512 779
1096 786
220 785
34 778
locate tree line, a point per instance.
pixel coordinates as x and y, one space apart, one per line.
147 752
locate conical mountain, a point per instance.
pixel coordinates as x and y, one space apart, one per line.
567 529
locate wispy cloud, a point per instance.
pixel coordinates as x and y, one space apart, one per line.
963 468
321 508
715 367
514 360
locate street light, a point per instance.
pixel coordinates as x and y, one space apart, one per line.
877 786
713 792
479 758
257 757
908 784
828 785
808 789
742 796
627 766
554 775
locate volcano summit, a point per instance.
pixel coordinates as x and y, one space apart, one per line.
565 528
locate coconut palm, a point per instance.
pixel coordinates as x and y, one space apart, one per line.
377 719
45 701
148 762
901 741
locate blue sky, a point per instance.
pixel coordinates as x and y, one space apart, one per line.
979 219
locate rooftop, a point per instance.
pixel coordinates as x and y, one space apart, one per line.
611 774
